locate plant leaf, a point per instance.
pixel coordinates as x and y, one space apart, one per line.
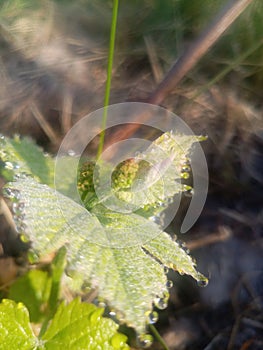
22 155
122 255
81 326
158 179
74 326
15 329
33 291
129 278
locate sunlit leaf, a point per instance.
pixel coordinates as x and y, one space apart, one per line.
81 326
15 329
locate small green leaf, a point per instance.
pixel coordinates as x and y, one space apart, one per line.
22 155
33 290
15 329
81 326
149 181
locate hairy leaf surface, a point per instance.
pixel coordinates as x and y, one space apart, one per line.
120 254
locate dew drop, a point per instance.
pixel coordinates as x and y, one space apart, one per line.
71 153
185 175
18 208
156 219
16 166
188 190
186 168
166 269
202 282
189 193
145 340
101 304
112 313
161 303
24 239
14 194
169 284
152 316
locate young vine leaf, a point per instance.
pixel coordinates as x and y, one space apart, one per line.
74 326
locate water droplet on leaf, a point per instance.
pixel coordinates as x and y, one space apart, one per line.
24 239
161 302
145 340
169 284
101 304
71 153
166 269
185 175
152 316
112 313
202 282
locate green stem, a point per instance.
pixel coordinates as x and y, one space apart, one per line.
158 337
109 71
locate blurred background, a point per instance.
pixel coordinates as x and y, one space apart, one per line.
53 59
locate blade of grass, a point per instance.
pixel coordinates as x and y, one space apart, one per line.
109 73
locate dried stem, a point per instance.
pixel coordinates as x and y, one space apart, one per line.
198 48
187 61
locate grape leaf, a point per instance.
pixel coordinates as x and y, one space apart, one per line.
15 329
74 326
81 326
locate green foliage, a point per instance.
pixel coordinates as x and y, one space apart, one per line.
15 329
76 319
122 255
33 290
24 156
74 326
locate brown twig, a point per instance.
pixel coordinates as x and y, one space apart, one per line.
186 62
192 55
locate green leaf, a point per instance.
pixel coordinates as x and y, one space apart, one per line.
129 278
74 326
15 329
23 155
33 290
81 326
151 185
121 255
